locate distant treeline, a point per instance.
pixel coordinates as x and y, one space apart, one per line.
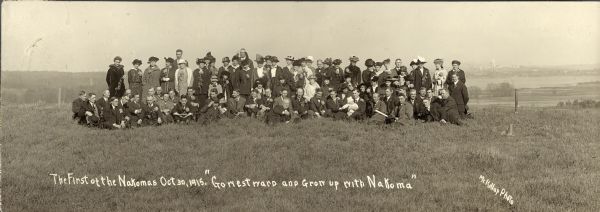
31 87
504 89
588 103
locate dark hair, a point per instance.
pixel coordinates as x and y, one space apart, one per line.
178 50
91 94
81 93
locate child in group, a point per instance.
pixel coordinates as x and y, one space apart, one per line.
350 105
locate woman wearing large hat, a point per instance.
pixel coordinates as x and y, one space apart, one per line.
135 78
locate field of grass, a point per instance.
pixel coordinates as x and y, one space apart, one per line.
551 164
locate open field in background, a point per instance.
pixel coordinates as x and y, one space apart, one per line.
551 164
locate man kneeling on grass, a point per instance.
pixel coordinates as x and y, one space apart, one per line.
181 111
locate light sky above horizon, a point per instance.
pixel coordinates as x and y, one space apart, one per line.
86 36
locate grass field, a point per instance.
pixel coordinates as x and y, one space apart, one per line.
551 164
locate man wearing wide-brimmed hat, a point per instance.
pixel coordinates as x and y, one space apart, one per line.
151 75
135 78
353 71
421 76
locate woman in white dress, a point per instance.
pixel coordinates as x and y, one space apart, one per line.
439 75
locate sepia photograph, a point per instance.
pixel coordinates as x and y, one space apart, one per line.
299 106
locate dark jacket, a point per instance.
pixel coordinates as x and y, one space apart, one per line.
461 76
242 80
421 80
459 93
112 115
354 72
114 80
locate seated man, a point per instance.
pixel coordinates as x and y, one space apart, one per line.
193 103
166 106
89 113
134 111
333 105
113 115
300 104
76 107
235 105
449 110
404 111
359 112
380 112
316 108
253 104
282 109
181 112
214 109
350 107
152 113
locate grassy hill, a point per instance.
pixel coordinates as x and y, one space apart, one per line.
551 164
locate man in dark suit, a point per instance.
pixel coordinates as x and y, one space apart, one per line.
113 115
421 76
456 71
449 109
459 92
235 104
300 104
89 112
333 105
134 111
242 80
316 106
360 113
253 104
416 102
151 112
103 102
77 105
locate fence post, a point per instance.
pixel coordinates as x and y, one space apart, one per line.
516 100
59 95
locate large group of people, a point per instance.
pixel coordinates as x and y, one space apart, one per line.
264 90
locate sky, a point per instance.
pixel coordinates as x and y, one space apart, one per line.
86 36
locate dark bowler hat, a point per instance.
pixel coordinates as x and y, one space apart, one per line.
153 58
169 60
274 59
117 58
297 62
337 62
369 62
455 62
137 61
225 59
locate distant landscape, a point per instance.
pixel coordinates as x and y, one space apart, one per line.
536 87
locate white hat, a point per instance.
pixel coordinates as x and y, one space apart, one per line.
180 61
310 58
421 59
